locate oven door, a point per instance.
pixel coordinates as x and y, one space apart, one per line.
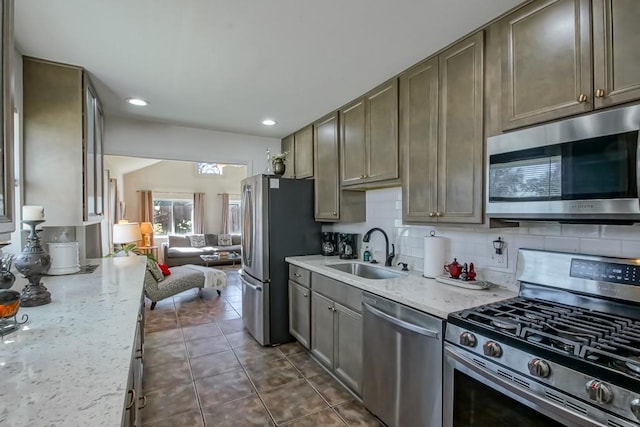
476 396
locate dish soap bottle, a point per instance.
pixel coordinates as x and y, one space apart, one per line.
366 255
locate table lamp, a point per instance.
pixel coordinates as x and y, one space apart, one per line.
126 233
146 228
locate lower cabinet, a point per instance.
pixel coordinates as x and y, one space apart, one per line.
336 338
135 400
299 313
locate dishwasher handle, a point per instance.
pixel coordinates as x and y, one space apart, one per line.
400 323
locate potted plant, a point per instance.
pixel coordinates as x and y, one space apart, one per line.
278 163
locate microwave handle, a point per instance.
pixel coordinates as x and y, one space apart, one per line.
638 167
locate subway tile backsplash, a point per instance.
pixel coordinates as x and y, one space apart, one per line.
474 243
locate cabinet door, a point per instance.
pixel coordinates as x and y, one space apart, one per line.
460 139
89 152
288 146
99 159
304 152
327 179
299 313
616 54
382 132
419 140
348 347
352 143
547 66
322 328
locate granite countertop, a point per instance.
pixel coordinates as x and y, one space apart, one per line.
69 364
412 289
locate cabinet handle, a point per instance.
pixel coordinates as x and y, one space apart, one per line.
361 176
599 93
141 350
582 98
144 402
329 307
131 392
335 213
432 214
438 214
305 294
297 274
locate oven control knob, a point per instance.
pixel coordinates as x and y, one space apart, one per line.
599 391
468 339
635 407
539 368
492 349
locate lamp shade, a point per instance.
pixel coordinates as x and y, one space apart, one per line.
146 228
126 233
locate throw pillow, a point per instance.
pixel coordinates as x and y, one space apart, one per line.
224 240
165 269
155 270
197 241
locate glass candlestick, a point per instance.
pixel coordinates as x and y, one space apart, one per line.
33 262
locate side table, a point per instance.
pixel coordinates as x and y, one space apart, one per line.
153 250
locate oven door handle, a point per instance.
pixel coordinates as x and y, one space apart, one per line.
531 397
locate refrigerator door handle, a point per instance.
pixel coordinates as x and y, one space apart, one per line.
253 287
247 226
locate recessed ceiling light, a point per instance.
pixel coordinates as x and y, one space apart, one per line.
137 101
268 122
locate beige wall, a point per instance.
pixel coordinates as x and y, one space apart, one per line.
176 179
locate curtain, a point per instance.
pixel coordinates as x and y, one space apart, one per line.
198 213
225 213
146 206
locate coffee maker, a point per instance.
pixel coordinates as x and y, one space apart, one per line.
348 245
329 244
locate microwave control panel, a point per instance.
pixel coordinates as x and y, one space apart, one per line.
605 271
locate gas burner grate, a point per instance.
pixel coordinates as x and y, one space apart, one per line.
601 338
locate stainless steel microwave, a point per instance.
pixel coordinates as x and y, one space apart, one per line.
584 170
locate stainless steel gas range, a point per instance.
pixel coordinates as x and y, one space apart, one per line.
565 352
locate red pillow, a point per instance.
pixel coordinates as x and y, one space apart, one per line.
165 269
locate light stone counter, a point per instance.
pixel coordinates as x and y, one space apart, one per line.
69 364
412 290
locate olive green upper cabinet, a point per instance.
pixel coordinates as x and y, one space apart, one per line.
327 181
288 146
304 153
547 66
332 204
616 43
419 141
369 137
442 136
63 136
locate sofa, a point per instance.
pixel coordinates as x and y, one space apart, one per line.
178 250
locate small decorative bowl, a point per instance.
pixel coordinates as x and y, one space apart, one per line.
9 303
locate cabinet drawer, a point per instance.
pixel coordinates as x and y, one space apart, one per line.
339 292
300 275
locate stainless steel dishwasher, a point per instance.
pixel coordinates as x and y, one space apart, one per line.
402 366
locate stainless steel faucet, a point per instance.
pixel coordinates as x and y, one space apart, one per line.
388 256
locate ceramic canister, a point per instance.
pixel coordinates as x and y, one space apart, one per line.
65 258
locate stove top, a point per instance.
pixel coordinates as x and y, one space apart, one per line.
574 329
602 339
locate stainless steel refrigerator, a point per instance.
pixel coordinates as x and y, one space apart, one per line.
277 221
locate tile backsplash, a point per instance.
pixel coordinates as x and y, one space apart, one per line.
474 243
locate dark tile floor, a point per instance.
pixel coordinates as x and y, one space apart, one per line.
202 368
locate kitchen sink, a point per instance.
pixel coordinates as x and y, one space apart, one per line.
365 271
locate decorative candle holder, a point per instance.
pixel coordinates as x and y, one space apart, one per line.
33 262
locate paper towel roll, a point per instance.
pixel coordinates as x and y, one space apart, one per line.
434 248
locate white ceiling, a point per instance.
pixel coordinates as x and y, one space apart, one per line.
228 64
